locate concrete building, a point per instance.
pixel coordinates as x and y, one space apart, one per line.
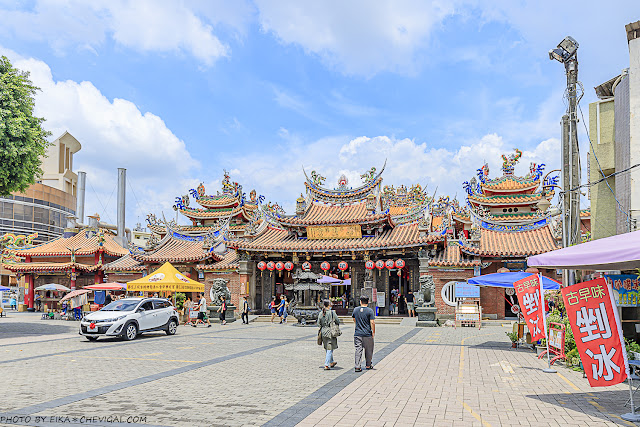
614 127
43 207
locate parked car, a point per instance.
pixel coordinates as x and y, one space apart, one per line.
129 317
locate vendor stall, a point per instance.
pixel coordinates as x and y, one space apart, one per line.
165 280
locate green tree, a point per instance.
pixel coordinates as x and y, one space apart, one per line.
23 141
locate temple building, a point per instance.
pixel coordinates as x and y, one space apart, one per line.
370 237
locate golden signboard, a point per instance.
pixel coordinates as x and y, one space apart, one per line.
335 232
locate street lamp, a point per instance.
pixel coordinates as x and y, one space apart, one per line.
565 50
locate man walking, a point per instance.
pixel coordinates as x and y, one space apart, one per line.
202 312
365 331
410 304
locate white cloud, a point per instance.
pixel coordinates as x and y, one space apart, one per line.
357 37
408 162
141 25
113 134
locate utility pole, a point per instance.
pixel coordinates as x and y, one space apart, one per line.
567 53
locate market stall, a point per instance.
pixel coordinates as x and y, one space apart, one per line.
165 281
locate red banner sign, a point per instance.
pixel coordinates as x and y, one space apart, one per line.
530 297
595 325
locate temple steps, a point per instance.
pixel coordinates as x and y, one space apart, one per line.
343 319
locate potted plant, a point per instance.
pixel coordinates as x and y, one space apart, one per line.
541 347
513 336
633 350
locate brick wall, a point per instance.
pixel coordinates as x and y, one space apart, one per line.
123 277
441 277
492 301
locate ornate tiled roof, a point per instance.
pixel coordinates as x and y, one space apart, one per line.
123 264
274 239
451 256
585 213
49 266
245 210
222 200
519 199
520 216
228 262
86 242
513 244
398 210
510 183
172 249
343 194
323 214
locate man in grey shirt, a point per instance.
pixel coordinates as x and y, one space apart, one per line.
364 318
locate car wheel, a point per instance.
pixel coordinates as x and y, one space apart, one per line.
172 327
130 332
92 338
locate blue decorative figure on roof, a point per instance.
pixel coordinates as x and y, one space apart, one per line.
535 170
483 173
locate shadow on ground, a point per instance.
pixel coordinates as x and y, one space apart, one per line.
607 404
11 330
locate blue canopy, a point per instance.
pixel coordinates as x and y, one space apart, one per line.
4 289
506 280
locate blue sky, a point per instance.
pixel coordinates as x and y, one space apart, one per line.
178 91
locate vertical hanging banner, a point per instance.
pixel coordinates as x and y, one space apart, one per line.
530 296
597 331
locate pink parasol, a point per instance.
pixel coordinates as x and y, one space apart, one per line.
74 294
111 286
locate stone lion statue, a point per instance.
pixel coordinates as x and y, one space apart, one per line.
427 293
218 289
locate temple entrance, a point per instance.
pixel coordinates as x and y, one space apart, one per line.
398 288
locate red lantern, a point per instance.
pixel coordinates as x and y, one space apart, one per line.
342 265
279 265
380 264
262 265
288 266
306 266
369 265
325 266
399 263
271 266
389 264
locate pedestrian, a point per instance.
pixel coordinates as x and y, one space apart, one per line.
272 306
285 310
38 302
188 305
364 334
107 298
410 303
281 307
552 304
13 301
245 310
223 310
202 311
392 304
329 338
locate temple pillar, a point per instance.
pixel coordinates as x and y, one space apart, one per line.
245 271
30 294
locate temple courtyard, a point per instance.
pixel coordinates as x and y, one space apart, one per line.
271 374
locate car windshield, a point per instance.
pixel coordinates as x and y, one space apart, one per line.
121 305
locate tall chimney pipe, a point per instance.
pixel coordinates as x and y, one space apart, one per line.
122 181
82 180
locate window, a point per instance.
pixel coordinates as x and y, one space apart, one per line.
147 306
160 304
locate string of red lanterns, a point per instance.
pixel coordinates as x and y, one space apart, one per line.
326 266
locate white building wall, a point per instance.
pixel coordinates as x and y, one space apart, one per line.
634 127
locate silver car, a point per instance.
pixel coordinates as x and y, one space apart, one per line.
129 317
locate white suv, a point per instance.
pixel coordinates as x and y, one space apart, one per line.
128 317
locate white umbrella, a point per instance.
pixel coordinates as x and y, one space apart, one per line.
52 287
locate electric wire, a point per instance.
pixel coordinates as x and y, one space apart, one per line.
104 210
134 195
620 208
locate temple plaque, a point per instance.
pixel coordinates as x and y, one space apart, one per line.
335 232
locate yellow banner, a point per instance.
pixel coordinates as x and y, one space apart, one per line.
335 232
164 287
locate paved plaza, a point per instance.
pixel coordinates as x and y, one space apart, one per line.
271 374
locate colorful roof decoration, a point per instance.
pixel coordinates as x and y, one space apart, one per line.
509 199
178 248
343 193
451 256
49 266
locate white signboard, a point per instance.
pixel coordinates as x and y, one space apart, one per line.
381 300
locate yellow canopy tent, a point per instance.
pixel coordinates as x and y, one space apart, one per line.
165 279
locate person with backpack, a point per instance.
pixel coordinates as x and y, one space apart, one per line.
328 333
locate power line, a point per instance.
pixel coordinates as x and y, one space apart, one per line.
104 210
591 184
600 168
